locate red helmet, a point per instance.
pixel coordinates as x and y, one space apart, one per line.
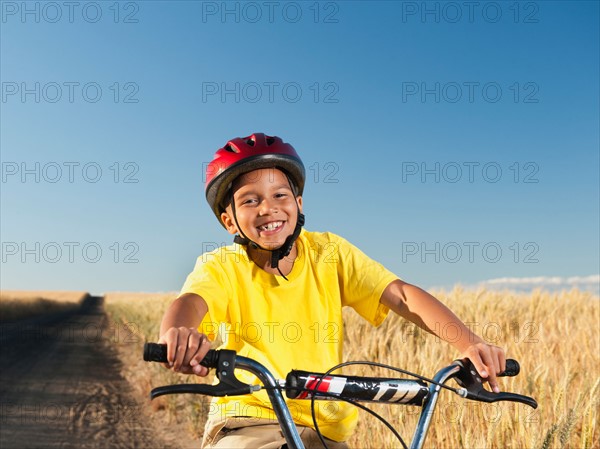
244 154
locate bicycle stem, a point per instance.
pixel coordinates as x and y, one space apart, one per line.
288 427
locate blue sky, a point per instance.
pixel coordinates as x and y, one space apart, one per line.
454 145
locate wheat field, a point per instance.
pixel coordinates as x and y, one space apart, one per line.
555 336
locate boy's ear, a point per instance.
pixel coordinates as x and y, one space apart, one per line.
299 201
229 222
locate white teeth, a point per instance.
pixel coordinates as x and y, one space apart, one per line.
271 226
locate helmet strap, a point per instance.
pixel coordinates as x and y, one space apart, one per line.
243 240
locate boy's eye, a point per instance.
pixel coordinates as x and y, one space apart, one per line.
248 201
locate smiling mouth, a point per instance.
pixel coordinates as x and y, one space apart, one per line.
270 226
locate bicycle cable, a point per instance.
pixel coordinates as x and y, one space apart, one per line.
458 391
359 405
379 417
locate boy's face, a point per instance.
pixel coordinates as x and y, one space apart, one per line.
265 206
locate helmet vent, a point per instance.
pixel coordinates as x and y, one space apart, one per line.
270 140
250 142
231 149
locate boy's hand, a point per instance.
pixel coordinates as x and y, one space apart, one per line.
489 360
186 347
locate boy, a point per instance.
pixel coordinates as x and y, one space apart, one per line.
280 290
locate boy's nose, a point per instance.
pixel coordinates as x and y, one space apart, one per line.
266 207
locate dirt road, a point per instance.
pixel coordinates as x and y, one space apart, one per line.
60 387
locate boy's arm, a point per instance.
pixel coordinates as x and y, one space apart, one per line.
186 347
427 312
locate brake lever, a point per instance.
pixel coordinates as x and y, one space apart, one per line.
228 385
471 381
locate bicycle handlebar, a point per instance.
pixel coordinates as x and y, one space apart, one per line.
154 352
303 385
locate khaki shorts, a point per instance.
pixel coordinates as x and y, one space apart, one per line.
256 433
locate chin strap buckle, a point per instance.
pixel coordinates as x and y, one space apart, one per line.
281 252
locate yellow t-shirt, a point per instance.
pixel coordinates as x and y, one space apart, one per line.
293 324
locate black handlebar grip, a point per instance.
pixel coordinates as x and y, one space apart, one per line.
155 352
512 368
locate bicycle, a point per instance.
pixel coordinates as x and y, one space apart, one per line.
306 385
